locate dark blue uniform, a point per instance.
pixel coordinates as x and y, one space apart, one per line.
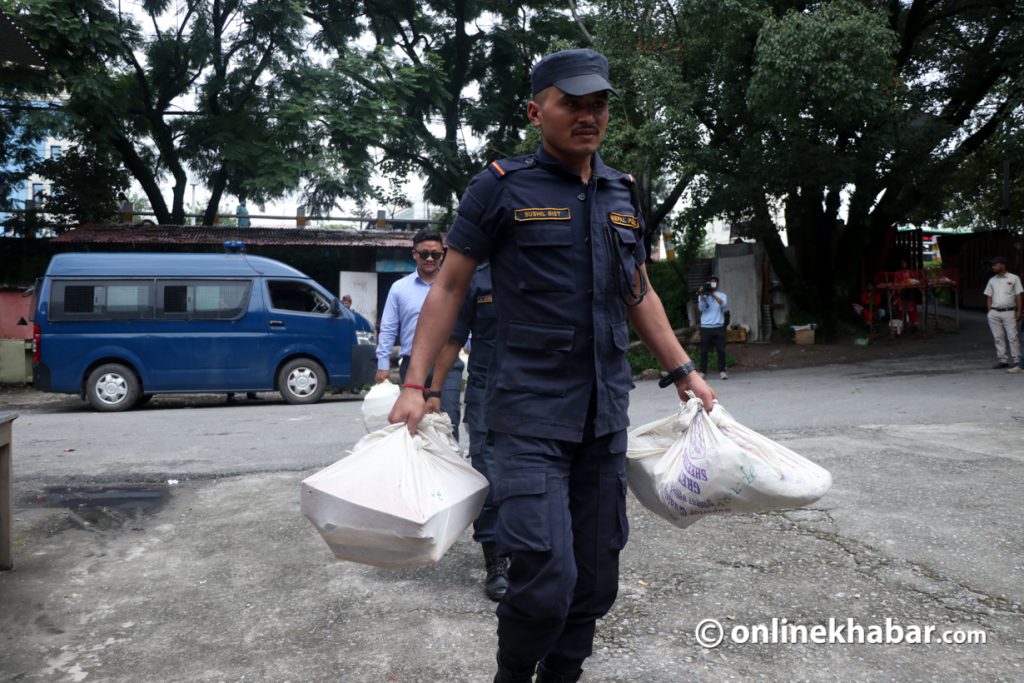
563 255
477 316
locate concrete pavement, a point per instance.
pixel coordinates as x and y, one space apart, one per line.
227 582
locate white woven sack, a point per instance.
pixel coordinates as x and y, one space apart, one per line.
397 500
695 464
377 405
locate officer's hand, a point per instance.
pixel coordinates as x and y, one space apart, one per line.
433 405
381 376
695 383
408 409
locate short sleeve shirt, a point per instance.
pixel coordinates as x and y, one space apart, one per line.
1003 290
564 259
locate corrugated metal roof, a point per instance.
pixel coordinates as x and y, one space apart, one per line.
189 234
15 47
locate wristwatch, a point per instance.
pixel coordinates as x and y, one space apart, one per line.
431 394
677 374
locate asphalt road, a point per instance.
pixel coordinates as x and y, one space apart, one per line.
228 582
185 437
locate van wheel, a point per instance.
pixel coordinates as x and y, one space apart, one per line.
302 381
112 387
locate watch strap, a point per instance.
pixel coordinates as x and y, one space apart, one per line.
677 374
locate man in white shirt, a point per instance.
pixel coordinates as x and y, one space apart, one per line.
1003 295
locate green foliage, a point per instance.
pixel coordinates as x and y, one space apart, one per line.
834 121
201 89
670 283
84 183
401 106
975 200
641 359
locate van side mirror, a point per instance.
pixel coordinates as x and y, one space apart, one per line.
335 308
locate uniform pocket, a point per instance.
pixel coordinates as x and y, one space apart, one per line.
524 520
620 536
627 246
534 358
618 373
545 257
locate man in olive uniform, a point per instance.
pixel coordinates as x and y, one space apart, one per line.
564 236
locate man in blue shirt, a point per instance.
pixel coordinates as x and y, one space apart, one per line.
242 213
477 318
713 305
564 236
402 313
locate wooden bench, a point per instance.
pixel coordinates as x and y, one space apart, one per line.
6 506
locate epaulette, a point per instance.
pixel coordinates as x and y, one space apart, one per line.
634 190
502 167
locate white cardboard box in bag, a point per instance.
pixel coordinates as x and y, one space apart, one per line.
397 500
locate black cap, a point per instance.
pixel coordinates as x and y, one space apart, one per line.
574 72
999 259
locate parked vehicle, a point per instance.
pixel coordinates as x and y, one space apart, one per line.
119 328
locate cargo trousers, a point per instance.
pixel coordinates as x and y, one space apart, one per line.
562 521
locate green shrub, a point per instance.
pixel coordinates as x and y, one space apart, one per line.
671 287
641 359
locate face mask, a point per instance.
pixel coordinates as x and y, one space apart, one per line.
714 285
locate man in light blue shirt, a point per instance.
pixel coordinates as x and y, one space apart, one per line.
713 305
242 213
402 312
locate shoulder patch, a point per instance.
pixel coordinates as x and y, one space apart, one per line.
624 220
502 167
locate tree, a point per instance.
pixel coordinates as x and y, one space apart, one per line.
404 105
975 200
199 89
84 184
840 119
653 125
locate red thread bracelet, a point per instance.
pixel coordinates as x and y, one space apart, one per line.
422 389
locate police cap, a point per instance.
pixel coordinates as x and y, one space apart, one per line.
574 72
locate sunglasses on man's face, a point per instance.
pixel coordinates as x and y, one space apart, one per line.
425 255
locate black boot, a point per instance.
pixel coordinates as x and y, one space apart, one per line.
546 675
506 675
496 582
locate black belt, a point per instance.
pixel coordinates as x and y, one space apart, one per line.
1011 308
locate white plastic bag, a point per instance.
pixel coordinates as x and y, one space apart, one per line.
694 463
397 500
377 405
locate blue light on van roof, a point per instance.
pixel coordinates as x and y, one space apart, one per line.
234 247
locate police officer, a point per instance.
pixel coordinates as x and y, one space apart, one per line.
476 317
564 236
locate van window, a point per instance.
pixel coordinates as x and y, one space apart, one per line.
289 295
101 300
202 299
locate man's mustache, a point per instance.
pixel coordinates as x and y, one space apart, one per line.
588 129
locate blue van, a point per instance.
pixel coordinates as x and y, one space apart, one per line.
118 328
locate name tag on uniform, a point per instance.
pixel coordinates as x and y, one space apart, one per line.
625 220
485 299
543 215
